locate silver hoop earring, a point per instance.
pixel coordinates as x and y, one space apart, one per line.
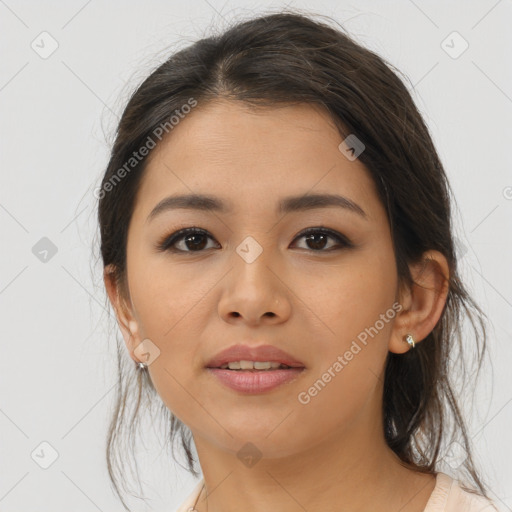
409 339
142 366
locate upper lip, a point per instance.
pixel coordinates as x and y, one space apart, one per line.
260 353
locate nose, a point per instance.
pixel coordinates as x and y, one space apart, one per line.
254 294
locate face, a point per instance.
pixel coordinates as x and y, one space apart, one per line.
251 276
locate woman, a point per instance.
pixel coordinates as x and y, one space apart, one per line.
277 244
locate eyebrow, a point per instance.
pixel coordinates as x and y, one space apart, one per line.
208 203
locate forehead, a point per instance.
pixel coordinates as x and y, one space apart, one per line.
226 129
253 157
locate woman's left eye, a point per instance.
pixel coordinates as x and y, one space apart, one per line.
318 236
315 237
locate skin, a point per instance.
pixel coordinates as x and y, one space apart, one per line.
314 456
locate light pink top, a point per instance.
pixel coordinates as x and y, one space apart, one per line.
447 496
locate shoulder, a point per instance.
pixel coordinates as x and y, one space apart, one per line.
189 502
449 495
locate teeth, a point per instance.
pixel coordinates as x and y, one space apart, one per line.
252 365
259 365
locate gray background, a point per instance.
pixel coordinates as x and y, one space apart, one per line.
57 117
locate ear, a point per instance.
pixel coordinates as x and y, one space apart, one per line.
124 314
423 302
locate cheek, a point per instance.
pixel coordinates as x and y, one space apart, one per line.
172 312
354 304
167 296
348 373
345 299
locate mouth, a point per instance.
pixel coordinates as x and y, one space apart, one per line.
255 366
259 358
254 370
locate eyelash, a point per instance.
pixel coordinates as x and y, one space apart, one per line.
167 242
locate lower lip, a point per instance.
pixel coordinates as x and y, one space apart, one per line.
255 381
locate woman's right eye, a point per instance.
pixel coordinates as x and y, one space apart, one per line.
192 240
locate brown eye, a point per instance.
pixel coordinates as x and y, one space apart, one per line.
191 239
316 239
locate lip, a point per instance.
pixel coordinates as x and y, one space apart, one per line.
254 381
261 353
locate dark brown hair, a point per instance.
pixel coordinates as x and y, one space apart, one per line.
290 58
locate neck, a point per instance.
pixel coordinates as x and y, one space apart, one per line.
354 468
